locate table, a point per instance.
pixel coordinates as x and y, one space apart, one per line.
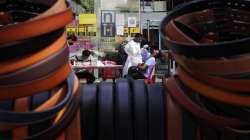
96 67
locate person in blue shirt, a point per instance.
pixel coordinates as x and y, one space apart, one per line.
146 69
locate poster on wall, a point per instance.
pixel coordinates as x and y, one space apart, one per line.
131 21
107 23
120 20
120 30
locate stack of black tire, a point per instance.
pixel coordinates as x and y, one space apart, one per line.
124 110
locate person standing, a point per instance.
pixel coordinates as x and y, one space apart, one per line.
133 51
121 55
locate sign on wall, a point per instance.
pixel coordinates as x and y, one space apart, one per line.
131 21
107 23
135 30
87 18
71 29
87 30
120 30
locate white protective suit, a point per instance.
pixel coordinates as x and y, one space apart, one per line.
134 55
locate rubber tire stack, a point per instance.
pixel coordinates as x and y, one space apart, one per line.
124 110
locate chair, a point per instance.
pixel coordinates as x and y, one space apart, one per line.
109 73
150 79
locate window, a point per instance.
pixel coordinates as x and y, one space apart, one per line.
153 5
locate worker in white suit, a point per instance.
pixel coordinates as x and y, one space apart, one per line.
133 50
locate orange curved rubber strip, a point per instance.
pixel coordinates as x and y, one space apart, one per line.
21 105
28 89
212 92
179 96
5 18
33 28
61 137
237 85
74 128
58 6
219 66
174 112
73 132
53 100
60 114
19 63
197 17
175 34
57 95
193 66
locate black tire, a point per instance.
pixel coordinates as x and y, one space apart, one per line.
123 111
140 110
105 111
88 109
156 115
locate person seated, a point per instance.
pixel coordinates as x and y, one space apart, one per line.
86 55
85 74
146 69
